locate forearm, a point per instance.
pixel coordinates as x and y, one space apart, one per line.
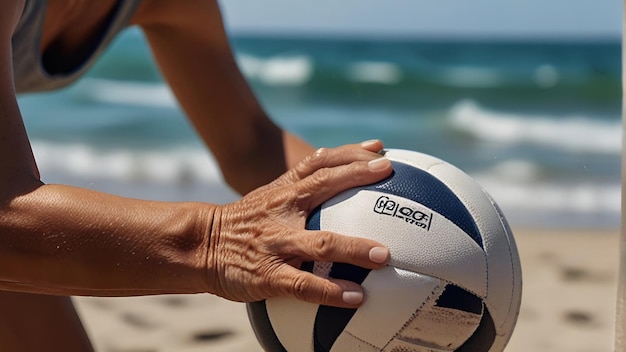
65 240
195 58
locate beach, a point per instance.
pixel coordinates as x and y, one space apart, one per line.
537 124
568 304
569 294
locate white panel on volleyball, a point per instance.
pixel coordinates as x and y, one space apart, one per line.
293 322
504 266
394 296
440 249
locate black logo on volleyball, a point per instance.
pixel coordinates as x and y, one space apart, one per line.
386 206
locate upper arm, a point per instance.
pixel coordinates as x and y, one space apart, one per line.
17 165
10 11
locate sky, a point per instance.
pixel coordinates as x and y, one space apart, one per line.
427 18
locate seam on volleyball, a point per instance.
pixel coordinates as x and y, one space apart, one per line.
361 340
508 240
433 165
450 282
428 169
435 290
484 249
414 164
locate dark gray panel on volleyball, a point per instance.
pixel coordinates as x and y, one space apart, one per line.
419 186
483 337
331 321
457 298
263 329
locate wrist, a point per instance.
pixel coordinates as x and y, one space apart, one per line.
203 229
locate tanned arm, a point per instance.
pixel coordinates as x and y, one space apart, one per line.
190 45
65 240
60 239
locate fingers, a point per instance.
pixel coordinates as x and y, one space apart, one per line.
327 182
307 287
373 145
332 157
285 204
326 246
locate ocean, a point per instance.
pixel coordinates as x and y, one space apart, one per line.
537 123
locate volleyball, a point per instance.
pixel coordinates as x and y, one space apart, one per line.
453 282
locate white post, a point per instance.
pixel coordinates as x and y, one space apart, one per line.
620 314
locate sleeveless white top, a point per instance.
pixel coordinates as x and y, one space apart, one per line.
29 72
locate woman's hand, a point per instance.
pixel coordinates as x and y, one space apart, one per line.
258 243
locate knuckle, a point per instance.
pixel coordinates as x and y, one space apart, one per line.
301 170
324 294
315 160
316 157
320 155
300 287
322 245
304 290
321 177
319 182
350 251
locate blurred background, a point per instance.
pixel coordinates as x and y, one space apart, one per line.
525 96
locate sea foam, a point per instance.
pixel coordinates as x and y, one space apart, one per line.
374 72
178 165
278 70
571 133
126 92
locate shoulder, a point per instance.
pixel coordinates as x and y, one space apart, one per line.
10 13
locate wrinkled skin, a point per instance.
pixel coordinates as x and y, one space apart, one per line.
168 253
258 243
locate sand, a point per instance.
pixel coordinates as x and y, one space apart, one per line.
568 305
570 287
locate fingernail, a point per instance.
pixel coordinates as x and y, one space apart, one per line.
352 297
379 254
378 164
368 143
